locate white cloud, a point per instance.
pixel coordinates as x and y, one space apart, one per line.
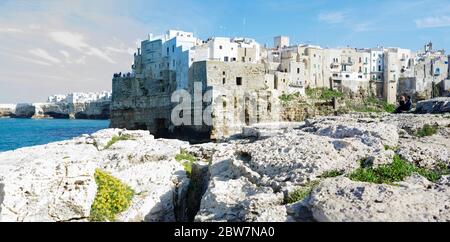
81 60
10 30
43 54
77 42
65 53
33 61
122 50
332 17
364 27
433 22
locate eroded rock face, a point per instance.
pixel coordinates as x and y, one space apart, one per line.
265 170
55 182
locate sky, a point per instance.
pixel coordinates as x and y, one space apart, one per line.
61 46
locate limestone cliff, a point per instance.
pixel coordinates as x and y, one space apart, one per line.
358 167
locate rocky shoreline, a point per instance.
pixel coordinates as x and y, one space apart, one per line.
315 170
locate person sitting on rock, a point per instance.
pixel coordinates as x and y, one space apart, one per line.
408 104
404 104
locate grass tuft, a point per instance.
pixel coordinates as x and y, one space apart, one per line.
116 139
331 174
301 193
427 130
186 160
397 171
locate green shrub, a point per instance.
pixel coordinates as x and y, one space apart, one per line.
112 198
427 130
116 139
328 94
186 160
301 193
330 174
323 93
397 171
289 97
372 105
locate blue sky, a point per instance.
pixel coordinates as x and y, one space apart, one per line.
60 46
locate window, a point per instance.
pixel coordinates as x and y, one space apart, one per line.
360 69
233 59
298 70
220 47
239 81
360 77
223 81
224 73
225 58
173 63
347 76
360 60
173 48
243 59
379 67
285 70
167 50
249 59
235 103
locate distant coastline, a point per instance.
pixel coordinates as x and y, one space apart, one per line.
70 106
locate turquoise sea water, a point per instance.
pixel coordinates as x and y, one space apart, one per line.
17 133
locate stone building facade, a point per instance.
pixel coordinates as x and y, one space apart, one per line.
243 81
238 87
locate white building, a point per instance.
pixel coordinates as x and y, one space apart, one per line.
80 97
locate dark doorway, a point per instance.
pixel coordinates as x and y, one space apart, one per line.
161 129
